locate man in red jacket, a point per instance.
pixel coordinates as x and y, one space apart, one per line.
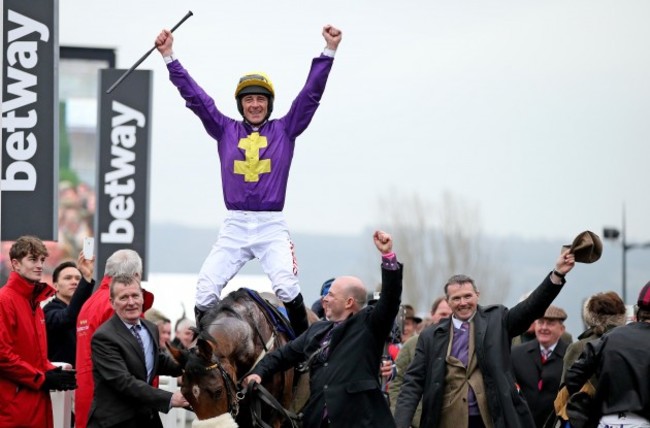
26 375
94 313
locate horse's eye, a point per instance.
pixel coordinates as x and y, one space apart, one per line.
218 392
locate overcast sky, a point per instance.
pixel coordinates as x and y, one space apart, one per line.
537 112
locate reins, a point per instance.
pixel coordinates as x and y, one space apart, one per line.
262 395
257 393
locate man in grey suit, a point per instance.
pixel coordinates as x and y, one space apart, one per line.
126 358
344 351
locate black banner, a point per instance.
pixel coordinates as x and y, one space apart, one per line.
122 216
29 155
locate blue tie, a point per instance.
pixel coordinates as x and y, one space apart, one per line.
136 332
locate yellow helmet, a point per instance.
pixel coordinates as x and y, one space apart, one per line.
255 83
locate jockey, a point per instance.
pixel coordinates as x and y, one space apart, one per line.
255 155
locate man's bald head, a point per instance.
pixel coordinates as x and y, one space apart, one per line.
354 287
346 296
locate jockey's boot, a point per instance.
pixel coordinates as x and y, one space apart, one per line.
297 314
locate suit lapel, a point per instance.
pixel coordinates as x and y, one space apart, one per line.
480 329
339 330
560 350
534 354
126 334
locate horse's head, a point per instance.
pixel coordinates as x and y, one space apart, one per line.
209 382
233 336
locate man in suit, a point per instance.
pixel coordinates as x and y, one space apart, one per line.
126 358
538 364
462 370
344 351
95 312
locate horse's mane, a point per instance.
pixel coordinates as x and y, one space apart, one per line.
225 305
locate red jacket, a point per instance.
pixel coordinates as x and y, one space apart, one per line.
23 354
94 313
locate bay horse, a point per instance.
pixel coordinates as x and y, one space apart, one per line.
232 338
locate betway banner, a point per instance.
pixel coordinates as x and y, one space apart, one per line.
122 216
29 156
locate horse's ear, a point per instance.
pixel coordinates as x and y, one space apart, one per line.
206 348
196 332
177 354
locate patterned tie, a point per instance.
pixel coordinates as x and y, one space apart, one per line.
136 332
545 353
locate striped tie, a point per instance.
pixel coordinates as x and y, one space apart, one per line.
136 332
545 354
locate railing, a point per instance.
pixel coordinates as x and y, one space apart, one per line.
62 407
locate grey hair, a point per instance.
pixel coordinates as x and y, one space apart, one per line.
124 262
460 279
184 323
359 294
124 280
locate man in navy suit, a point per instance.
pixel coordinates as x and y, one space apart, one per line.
538 364
126 358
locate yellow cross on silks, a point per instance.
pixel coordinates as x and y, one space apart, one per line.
252 167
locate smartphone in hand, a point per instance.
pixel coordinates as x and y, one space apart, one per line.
89 247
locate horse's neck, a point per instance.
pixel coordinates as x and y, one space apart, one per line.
242 333
244 362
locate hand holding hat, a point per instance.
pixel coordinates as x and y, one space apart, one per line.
586 247
564 263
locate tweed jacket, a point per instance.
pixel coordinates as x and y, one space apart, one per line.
494 328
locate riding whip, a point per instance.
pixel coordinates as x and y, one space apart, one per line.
143 57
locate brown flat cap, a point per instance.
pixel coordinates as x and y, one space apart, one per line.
409 313
555 313
586 247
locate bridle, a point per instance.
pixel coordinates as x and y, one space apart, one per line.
232 394
258 396
258 393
